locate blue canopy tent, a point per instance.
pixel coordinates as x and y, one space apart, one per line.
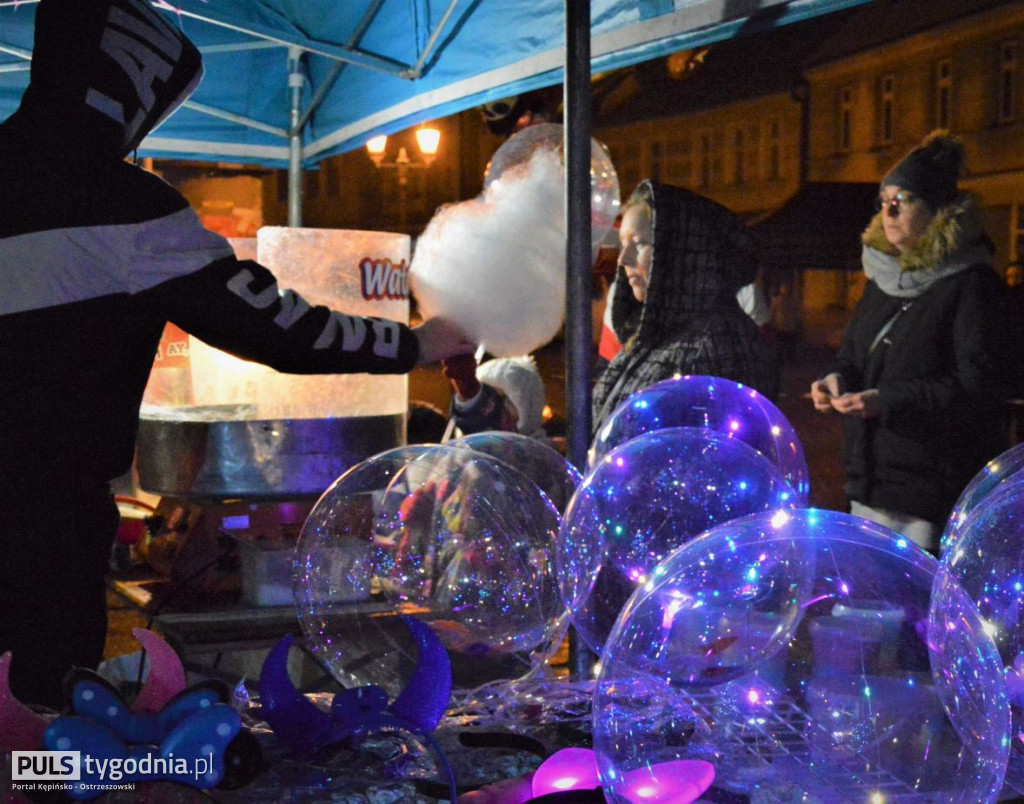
291 82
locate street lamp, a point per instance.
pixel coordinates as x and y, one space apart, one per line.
428 139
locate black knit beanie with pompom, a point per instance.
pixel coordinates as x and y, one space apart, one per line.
931 170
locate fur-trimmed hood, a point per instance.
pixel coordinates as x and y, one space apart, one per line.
955 228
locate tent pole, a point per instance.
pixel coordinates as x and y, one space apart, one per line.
295 83
578 327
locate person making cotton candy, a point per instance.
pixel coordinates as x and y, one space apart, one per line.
96 255
683 258
918 379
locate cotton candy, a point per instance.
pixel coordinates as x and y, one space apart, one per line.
495 264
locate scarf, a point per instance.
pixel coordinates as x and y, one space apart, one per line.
886 272
953 241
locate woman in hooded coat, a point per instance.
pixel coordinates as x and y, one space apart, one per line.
682 260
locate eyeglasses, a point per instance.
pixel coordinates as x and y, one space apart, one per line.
894 204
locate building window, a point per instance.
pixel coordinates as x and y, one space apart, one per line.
739 155
845 126
886 101
943 93
753 160
656 161
311 188
705 161
677 161
626 159
1007 89
332 179
717 149
774 150
1017 246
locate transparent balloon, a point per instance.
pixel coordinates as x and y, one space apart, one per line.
992 476
539 461
725 406
987 561
604 182
643 500
793 651
446 534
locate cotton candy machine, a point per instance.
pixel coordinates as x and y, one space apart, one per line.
215 427
235 448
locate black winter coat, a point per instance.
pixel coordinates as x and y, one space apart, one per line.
939 373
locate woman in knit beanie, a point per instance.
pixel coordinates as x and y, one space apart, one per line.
918 378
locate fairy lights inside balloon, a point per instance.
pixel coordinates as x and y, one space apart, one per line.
714 403
801 650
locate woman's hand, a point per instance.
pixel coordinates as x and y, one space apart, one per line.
866 404
824 390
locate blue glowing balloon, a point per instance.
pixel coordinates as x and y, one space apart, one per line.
539 461
987 561
727 407
995 472
644 499
446 534
794 651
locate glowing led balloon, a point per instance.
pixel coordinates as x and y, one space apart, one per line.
446 534
540 462
996 471
604 182
765 647
987 561
644 499
724 406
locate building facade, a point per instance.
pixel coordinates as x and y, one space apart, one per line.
748 122
871 102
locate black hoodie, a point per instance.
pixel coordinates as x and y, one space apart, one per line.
96 254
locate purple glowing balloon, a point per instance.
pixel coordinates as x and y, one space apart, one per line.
730 408
994 474
679 781
643 500
460 539
798 651
986 560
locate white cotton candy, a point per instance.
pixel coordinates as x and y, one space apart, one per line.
495 265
